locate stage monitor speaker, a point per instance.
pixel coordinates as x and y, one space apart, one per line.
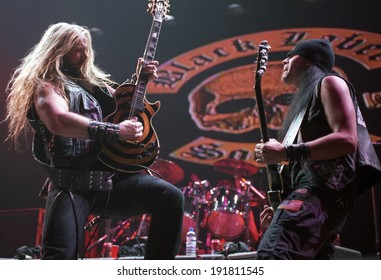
20 227
243 256
211 257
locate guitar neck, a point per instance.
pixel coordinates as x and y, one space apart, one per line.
261 110
149 56
275 180
135 156
153 38
262 59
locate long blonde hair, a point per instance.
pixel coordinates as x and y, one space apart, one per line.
43 62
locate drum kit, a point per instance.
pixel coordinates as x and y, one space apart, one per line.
223 209
220 210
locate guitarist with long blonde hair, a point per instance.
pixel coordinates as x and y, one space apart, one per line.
59 92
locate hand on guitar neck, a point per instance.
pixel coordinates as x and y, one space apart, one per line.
147 69
132 129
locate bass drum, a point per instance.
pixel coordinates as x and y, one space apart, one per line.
226 217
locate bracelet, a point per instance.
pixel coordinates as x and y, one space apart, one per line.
103 131
297 152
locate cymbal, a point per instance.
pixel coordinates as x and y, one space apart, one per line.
168 170
235 167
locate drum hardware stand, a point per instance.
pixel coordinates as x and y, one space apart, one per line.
247 215
197 205
121 228
113 234
199 190
143 229
246 187
247 195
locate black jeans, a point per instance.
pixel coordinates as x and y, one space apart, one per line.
132 195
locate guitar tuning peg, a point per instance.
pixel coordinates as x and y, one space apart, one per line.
262 63
263 52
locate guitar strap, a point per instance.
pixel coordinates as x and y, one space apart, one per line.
289 139
275 194
294 128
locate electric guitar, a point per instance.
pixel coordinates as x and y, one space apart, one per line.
130 99
275 180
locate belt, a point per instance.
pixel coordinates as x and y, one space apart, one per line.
82 181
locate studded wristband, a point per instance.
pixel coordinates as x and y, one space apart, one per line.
297 152
103 131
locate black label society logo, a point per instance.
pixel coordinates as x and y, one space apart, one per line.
236 84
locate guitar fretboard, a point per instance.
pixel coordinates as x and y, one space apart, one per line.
149 55
153 38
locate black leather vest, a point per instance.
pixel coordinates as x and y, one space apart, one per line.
69 162
336 174
64 152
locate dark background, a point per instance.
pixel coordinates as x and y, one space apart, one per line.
120 29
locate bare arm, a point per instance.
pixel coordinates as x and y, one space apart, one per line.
341 117
54 113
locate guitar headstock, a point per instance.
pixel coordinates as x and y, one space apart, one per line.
158 8
262 58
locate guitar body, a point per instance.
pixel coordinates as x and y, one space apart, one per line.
131 102
131 156
276 185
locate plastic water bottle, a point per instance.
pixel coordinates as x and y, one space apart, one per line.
191 243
